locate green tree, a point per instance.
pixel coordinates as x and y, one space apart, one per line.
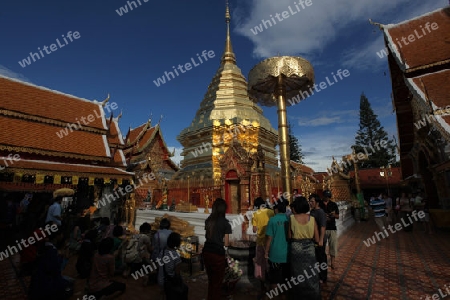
294 147
370 135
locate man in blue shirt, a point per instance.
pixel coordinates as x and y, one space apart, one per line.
378 206
54 212
277 245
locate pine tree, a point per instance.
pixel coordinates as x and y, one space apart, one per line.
295 147
371 134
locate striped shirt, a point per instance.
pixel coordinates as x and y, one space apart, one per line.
379 207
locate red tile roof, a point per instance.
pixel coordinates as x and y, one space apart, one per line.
42 102
41 137
134 133
114 134
303 168
433 42
372 177
419 70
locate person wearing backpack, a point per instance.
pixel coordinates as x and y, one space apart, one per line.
138 249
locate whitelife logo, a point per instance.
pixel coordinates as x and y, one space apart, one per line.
284 15
188 66
31 240
384 234
111 197
11 158
71 36
354 158
124 9
439 296
86 120
279 289
323 85
411 38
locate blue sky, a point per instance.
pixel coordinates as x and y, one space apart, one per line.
123 55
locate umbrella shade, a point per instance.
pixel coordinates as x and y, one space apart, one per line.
262 79
64 192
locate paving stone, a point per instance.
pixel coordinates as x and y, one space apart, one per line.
408 265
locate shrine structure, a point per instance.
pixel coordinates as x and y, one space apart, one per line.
229 148
59 141
147 153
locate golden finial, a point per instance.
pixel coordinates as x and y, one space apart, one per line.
227 13
228 55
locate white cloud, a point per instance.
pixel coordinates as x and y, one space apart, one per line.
320 149
4 71
314 28
365 56
177 158
330 117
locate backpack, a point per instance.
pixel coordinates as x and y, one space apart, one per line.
132 251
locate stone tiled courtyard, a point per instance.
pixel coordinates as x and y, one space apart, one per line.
407 265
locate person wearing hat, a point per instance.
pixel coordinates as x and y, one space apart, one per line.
54 211
332 212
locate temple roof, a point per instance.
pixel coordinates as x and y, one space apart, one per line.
27 136
114 134
370 178
303 168
420 70
48 105
411 56
140 139
48 123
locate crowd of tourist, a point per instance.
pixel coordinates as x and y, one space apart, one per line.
290 255
103 254
290 245
388 212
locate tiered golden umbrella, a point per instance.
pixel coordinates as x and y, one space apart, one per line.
272 82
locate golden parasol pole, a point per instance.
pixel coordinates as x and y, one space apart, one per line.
270 83
283 135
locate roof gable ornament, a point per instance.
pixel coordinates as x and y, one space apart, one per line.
105 101
427 99
379 25
127 137
113 152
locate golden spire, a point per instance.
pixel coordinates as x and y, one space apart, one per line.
228 55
